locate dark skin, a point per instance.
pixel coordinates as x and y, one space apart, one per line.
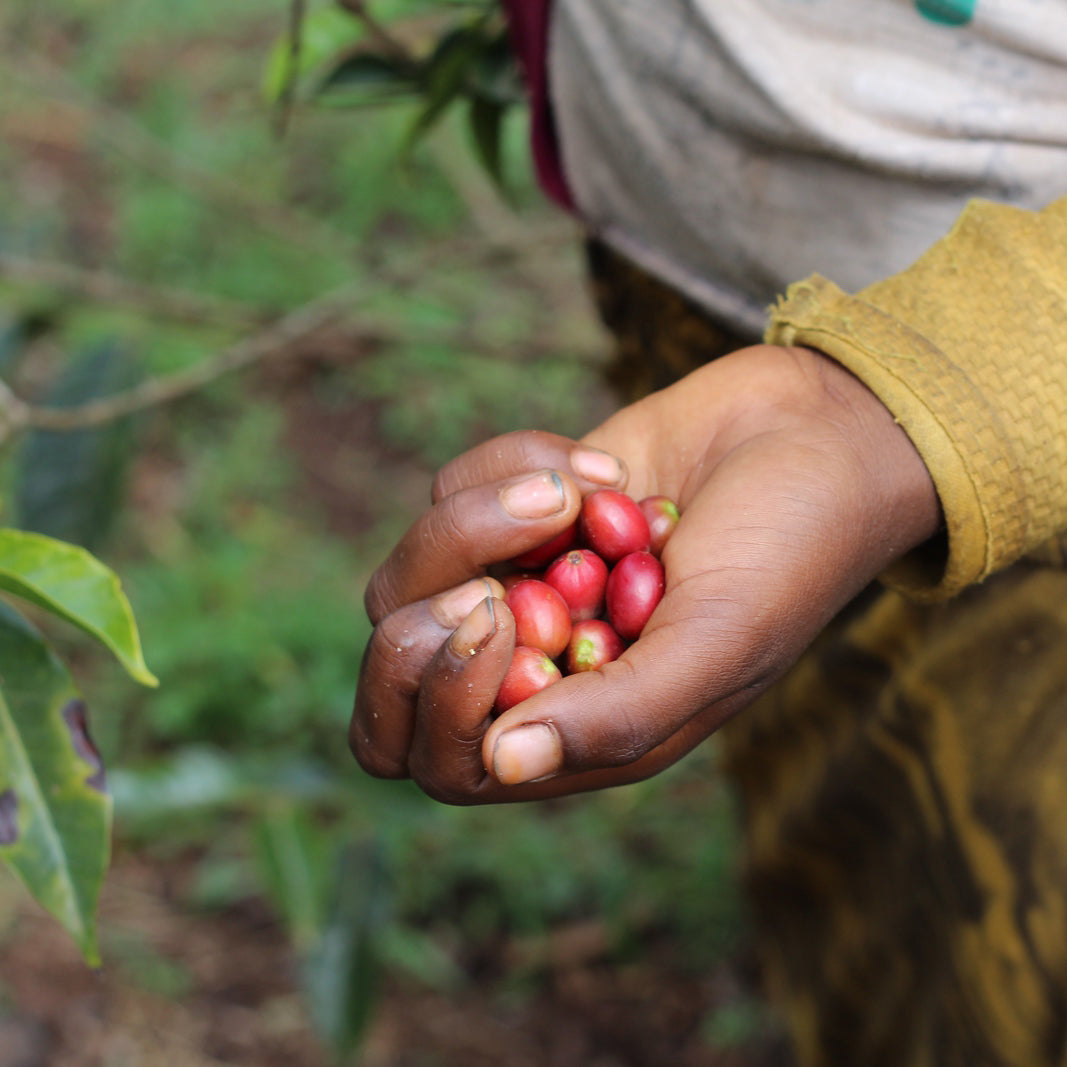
796 488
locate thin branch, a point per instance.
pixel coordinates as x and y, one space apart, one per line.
16 415
105 287
379 33
13 413
498 224
155 391
284 110
470 344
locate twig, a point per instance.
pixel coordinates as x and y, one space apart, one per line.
284 110
104 287
498 224
379 33
16 414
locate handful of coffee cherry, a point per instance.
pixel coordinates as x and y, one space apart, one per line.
580 599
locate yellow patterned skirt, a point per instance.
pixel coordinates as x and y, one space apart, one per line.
904 792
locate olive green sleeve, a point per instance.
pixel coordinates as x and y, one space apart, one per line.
968 350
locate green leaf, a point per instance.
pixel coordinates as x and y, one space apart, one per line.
292 854
69 485
71 583
198 780
494 73
343 972
11 341
485 119
366 77
323 33
445 75
55 816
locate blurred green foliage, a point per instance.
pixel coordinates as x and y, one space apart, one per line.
138 141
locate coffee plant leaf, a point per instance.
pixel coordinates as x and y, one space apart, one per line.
343 969
292 851
55 812
322 34
74 585
70 485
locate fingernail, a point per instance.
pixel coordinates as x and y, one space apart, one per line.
534 498
597 466
474 631
526 754
451 608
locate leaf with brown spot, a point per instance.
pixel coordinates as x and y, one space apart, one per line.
55 818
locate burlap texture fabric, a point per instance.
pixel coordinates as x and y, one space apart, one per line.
904 791
904 788
968 349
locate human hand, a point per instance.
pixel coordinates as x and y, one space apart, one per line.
796 488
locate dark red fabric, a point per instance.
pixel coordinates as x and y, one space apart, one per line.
528 24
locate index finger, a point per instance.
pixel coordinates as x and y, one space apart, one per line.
467 531
529 450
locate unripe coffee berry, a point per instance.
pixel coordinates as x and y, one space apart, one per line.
593 644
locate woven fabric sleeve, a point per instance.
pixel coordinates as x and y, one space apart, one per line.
968 350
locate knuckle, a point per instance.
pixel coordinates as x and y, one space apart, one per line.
370 758
379 598
442 484
628 737
438 787
395 638
538 448
454 777
453 780
450 528
443 792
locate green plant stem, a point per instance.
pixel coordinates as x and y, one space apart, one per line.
284 110
105 287
16 414
379 33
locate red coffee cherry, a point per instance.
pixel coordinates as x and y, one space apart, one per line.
613 525
529 672
635 587
580 577
509 581
542 554
542 618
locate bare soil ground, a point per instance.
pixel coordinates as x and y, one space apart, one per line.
202 989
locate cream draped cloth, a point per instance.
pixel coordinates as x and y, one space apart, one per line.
735 147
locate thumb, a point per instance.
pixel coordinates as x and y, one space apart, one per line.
669 690
745 595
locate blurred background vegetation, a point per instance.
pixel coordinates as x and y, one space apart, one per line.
334 308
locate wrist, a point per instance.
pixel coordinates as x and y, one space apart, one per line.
876 481
899 496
